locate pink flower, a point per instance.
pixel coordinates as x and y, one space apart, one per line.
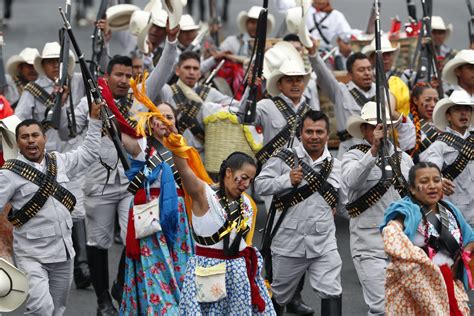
177 268
150 282
184 247
154 270
162 239
145 251
165 287
160 265
154 299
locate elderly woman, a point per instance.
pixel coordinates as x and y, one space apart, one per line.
429 242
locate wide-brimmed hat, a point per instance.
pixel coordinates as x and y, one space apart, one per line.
118 16
13 287
140 23
277 54
7 134
437 23
466 56
295 23
27 55
159 17
385 46
187 23
439 112
287 68
174 9
53 50
152 5
368 115
253 13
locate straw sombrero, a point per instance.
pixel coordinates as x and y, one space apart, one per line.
27 55
53 50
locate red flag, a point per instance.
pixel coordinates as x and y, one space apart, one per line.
109 99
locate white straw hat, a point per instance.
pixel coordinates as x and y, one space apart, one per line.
439 112
368 115
289 67
466 56
53 50
118 16
295 23
187 23
437 23
385 46
277 54
13 287
174 9
253 13
27 55
7 134
159 17
140 23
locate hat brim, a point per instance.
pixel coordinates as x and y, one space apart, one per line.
15 298
7 134
273 79
13 63
354 123
242 22
174 13
449 75
39 67
439 113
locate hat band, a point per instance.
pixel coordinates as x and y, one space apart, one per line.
11 283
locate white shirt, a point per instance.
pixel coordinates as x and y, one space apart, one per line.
333 25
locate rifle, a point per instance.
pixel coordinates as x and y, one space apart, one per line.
98 41
381 90
258 52
411 10
214 22
470 24
214 72
370 25
108 117
63 81
428 60
3 79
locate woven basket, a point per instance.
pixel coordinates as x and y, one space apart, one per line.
224 135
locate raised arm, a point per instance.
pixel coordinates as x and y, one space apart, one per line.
274 178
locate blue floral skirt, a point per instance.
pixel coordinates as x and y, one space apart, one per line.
238 299
153 283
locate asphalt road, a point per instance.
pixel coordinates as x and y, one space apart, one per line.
35 22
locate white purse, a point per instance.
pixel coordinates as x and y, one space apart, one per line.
146 218
210 283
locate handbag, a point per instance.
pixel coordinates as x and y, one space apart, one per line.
146 219
210 283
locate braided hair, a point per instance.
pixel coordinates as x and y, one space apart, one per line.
234 161
415 94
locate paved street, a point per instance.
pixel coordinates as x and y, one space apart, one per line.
35 22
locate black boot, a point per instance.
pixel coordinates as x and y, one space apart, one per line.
296 305
98 266
117 287
278 308
82 276
331 306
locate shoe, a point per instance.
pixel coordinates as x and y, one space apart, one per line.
331 306
105 305
82 276
297 306
278 308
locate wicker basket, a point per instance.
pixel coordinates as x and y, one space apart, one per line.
224 135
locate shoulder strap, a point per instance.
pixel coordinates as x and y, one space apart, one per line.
362 147
277 142
203 91
465 147
161 154
359 97
47 187
188 112
431 135
40 94
319 26
124 105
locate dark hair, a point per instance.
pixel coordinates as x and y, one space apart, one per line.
234 161
291 38
418 166
188 55
28 122
352 58
415 93
314 116
119 60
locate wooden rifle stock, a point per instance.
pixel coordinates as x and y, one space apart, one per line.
107 116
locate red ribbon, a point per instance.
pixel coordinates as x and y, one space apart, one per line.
466 259
250 262
448 279
109 99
